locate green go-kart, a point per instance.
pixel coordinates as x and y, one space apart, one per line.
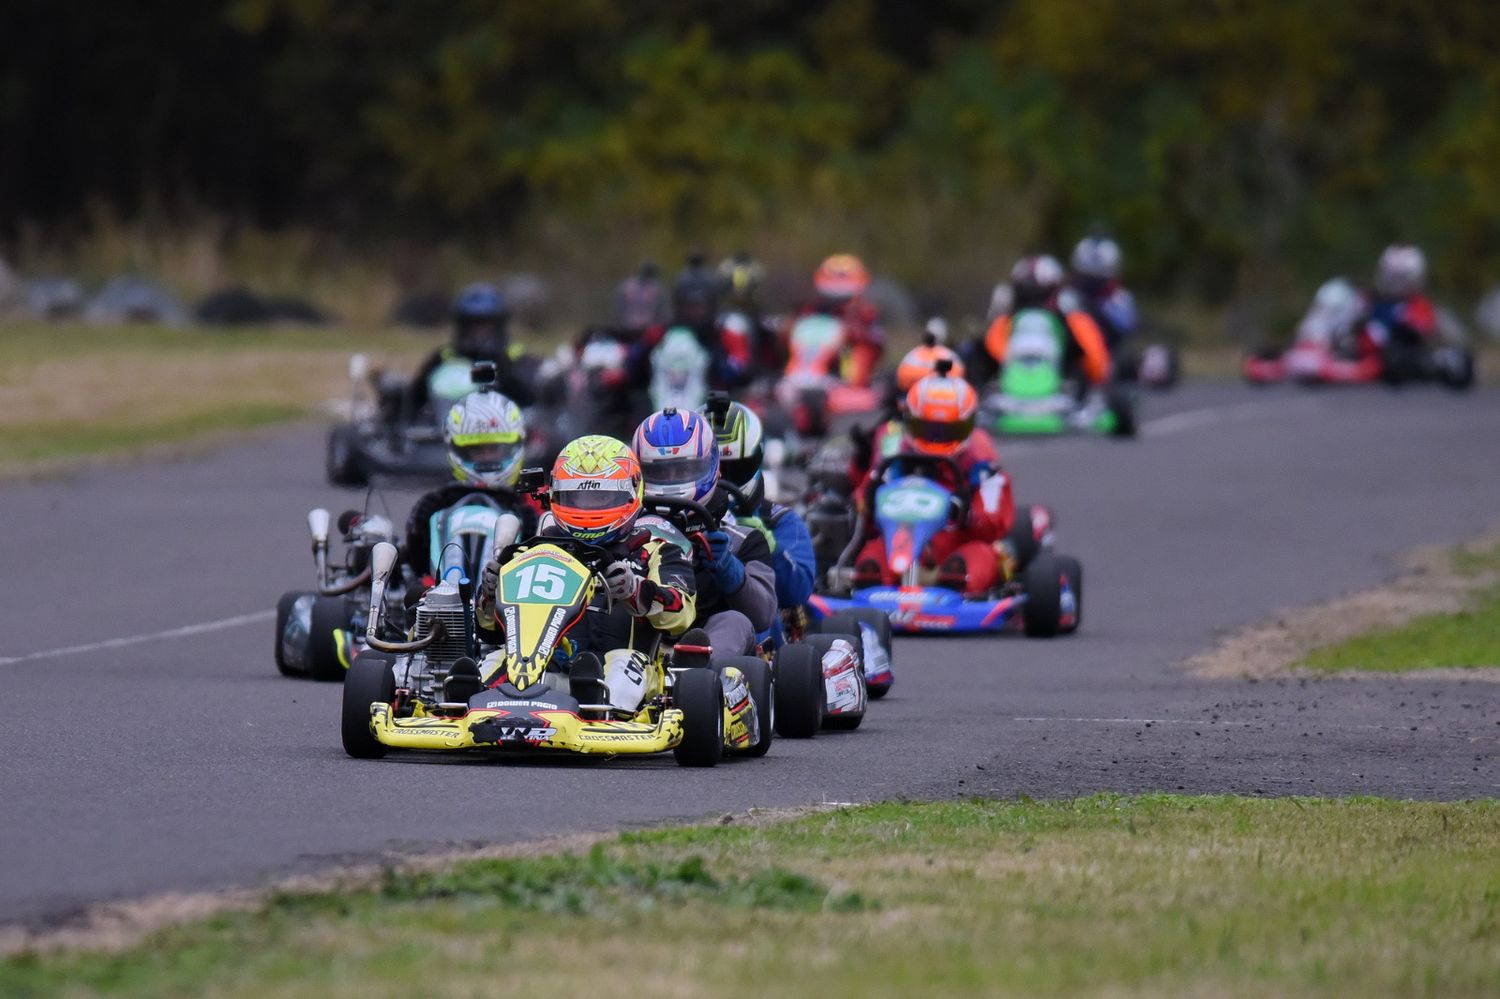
1034 395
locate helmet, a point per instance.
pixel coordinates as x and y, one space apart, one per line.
1035 280
479 316
678 455
920 362
1097 257
596 490
486 438
1401 271
739 436
842 275
940 414
741 277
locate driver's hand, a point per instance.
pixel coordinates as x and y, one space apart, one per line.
626 581
489 576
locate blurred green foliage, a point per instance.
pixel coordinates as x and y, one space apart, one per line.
1233 145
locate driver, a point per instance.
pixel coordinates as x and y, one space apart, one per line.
595 498
486 438
972 555
481 320
734 579
1035 284
1397 310
841 281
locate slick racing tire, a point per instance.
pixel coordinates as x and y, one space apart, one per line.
1041 614
798 691
345 464
1073 570
329 614
1456 368
853 622
1122 404
762 692
820 644
701 697
370 680
284 608
1023 537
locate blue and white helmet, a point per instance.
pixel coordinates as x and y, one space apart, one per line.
486 438
678 453
1097 257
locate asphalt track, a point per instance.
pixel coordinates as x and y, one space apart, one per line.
137 764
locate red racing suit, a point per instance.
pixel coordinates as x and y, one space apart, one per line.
971 555
864 339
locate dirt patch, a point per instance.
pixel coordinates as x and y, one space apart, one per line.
117 926
1429 583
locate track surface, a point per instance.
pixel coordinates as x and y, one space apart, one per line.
185 762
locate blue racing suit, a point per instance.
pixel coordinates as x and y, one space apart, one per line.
792 557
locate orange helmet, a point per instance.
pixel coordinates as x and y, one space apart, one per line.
841 276
922 361
940 414
596 489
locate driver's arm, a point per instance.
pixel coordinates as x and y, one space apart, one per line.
674 604
1095 354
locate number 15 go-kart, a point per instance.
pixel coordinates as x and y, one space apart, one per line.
1045 599
429 692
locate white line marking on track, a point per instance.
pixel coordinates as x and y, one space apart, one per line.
156 636
1132 721
1192 419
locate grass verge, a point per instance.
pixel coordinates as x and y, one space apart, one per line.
71 392
1127 895
1466 639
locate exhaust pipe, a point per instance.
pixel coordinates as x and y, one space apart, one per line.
382 561
317 526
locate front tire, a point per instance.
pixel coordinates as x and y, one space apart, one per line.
1073 570
1122 404
284 610
701 697
798 691
329 614
1041 614
370 681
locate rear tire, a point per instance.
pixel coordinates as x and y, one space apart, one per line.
1041 614
853 622
701 697
763 694
821 644
1458 372
329 614
344 463
283 614
370 681
798 691
1073 570
1122 404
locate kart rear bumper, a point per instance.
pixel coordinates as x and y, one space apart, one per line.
928 609
542 729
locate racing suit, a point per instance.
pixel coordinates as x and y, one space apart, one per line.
973 555
419 522
510 380
640 303
1109 304
1409 321
791 547
864 338
1085 350
729 352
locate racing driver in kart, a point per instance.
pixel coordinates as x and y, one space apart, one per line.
972 555
734 582
486 437
1397 311
1036 283
840 283
594 497
481 332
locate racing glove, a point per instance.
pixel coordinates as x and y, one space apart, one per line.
489 577
628 583
727 569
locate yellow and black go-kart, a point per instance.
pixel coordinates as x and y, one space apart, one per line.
438 691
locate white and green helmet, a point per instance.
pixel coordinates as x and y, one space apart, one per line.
486 437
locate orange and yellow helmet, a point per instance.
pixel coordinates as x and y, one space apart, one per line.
922 361
940 414
842 275
596 489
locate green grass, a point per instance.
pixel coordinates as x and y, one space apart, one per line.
1467 640
1145 895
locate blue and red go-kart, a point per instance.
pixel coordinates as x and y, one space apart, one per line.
1043 600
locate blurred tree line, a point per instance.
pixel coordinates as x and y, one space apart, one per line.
1234 146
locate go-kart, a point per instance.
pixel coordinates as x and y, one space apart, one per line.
910 508
814 388
429 693
383 436
817 671
319 632
1033 395
1329 349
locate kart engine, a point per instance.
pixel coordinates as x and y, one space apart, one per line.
426 669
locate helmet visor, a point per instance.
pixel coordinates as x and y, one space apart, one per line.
591 496
940 431
677 471
488 456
